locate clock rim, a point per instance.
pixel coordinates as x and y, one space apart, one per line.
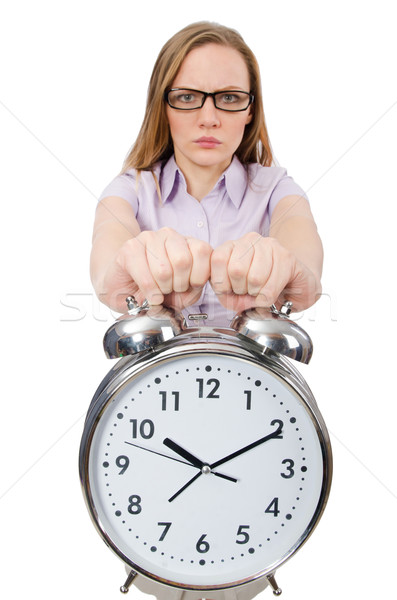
131 367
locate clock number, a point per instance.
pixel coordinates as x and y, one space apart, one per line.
273 508
134 507
123 463
146 428
201 545
280 428
248 393
166 529
164 400
289 464
212 393
244 534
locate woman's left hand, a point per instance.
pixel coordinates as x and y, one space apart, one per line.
258 271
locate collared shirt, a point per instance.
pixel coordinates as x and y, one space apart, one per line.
242 201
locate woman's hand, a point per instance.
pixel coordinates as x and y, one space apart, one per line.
162 266
258 271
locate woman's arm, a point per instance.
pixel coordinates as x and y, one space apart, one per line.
260 271
293 225
162 266
114 226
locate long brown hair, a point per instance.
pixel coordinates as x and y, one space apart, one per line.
154 142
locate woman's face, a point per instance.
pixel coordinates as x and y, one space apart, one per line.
207 136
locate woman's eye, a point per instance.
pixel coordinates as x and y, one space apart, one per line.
230 98
186 98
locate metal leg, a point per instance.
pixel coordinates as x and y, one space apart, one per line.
273 584
165 592
128 582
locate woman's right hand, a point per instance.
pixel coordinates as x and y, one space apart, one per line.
162 266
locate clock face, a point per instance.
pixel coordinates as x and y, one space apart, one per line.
205 470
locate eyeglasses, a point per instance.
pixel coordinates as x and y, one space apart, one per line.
229 100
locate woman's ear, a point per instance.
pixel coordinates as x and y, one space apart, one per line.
250 115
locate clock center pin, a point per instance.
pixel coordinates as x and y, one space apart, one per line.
206 469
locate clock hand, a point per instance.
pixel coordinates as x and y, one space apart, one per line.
221 475
182 461
205 467
196 477
274 435
184 453
161 454
185 486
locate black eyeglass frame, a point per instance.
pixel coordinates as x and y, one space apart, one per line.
212 95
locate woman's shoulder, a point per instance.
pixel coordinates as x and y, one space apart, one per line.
123 185
127 183
261 175
273 180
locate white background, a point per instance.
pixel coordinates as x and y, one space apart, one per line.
72 91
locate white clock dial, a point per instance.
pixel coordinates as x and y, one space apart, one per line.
205 470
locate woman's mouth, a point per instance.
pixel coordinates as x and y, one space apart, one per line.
207 142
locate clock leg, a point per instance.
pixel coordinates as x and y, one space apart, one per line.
243 592
128 582
273 584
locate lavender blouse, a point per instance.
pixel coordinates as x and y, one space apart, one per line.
242 201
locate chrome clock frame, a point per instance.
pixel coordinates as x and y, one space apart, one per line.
203 341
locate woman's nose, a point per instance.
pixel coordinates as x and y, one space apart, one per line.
209 115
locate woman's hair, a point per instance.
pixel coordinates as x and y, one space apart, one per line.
154 142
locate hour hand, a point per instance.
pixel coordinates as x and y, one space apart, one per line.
204 467
184 453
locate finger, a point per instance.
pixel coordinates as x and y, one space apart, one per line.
181 262
133 260
279 277
158 261
201 267
303 289
220 281
261 267
240 264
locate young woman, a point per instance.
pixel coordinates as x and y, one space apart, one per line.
199 216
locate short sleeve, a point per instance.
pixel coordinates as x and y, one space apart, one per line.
286 186
123 186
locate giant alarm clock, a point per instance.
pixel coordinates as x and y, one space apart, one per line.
205 462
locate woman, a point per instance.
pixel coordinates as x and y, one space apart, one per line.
199 217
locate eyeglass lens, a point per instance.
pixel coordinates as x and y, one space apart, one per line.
185 99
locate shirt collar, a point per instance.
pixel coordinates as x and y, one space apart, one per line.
236 181
235 177
168 179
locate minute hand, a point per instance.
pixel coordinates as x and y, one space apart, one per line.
270 436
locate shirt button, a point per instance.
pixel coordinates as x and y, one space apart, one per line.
200 224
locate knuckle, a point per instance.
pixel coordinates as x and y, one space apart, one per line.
202 249
237 270
182 261
163 272
144 236
272 241
129 245
253 237
272 246
220 256
146 283
167 232
255 281
280 251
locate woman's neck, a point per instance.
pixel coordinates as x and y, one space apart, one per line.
200 180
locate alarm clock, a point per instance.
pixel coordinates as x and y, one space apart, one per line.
205 462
